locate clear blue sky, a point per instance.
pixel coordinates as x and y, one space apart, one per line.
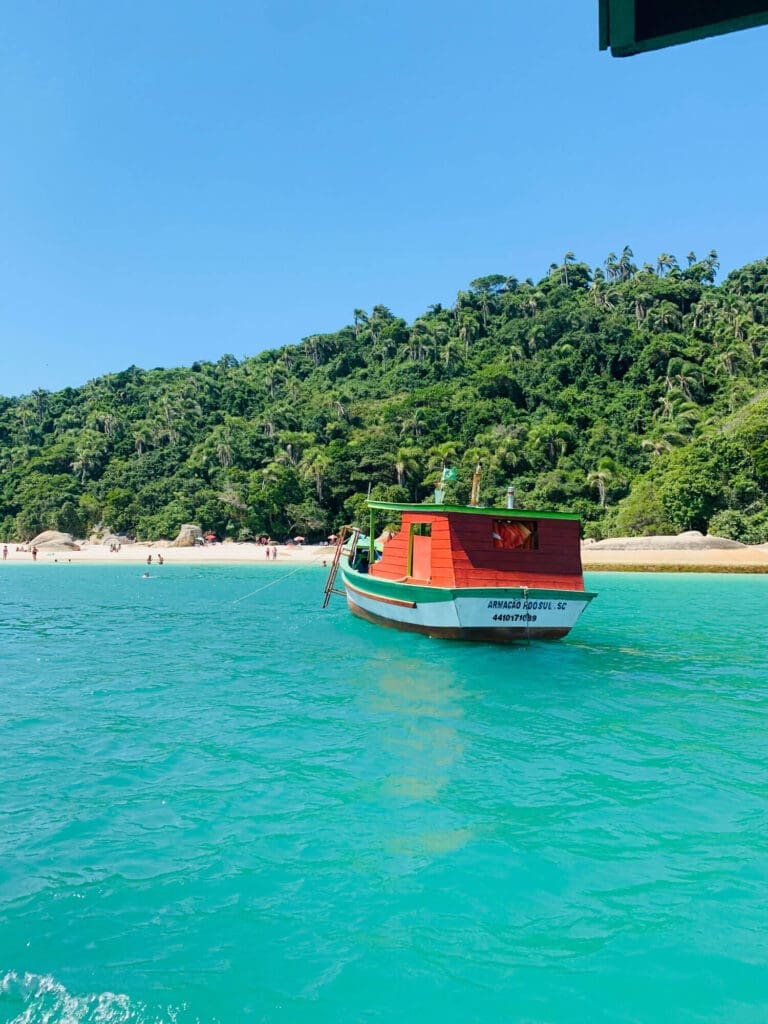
180 180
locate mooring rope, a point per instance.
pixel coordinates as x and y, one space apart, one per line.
278 580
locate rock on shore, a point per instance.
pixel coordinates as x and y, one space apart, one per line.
188 536
692 540
54 540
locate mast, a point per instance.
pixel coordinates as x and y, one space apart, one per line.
473 501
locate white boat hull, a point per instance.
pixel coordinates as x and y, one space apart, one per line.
501 614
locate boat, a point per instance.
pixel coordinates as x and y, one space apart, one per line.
465 572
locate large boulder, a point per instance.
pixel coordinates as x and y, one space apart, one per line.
115 538
54 540
691 540
188 536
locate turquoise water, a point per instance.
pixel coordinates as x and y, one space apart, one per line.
226 810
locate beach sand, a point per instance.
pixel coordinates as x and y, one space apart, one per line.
211 554
744 560
661 558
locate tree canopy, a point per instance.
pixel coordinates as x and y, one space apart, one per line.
637 397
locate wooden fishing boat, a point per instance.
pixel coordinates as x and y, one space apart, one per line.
465 572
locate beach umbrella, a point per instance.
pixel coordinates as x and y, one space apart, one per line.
299 540
332 538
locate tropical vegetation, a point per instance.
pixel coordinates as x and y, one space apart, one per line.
634 395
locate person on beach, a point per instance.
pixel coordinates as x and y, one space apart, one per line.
5 551
160 559
149 559
34 554
274 553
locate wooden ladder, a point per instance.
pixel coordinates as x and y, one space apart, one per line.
330 587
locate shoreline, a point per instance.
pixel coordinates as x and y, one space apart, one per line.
750 560
139 554
723 570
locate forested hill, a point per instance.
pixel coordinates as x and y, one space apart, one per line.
637 397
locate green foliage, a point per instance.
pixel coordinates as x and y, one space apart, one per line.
641 513
691 491
737 525
637 397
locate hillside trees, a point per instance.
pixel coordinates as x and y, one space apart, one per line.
635 395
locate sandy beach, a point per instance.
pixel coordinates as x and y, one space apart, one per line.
210 554
741 560
620 555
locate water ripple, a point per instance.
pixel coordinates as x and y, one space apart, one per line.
260 811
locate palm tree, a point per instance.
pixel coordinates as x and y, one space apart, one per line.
143 433
504 443
90 448
271 380
727 359
713 264
360 318
463 301
314 347
40 397
597 287
82 462
611 266
407 462
642 301
626 269
703 311
685 416
412 423
103 420
468 326
682 374
448 353
440 454
658 444
568 258
666 406
418 336
601 477
314 466
665 317
664 263
515 352
293 444
552 437
535 335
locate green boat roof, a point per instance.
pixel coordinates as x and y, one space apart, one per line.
473 510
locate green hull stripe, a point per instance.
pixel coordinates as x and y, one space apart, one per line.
436 595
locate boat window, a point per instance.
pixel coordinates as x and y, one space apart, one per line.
421 529
515 535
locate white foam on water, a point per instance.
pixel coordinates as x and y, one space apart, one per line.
40 999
